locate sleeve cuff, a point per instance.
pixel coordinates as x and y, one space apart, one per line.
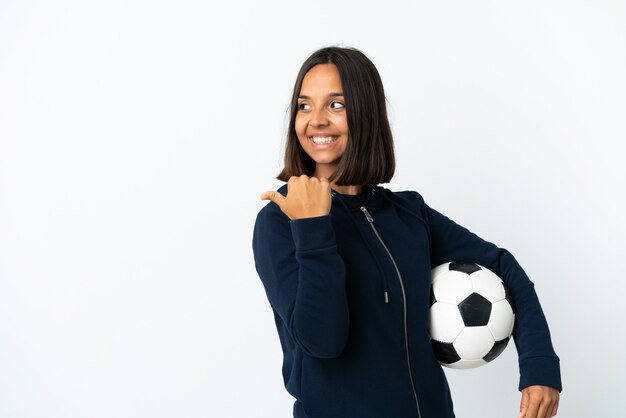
543 371
313 233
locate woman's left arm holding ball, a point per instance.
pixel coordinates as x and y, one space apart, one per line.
540 377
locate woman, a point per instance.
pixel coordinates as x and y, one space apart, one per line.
346 263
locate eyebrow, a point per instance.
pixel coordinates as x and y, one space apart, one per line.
333 94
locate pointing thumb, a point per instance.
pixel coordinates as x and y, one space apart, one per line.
273 196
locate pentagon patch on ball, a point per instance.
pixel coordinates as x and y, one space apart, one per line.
471 315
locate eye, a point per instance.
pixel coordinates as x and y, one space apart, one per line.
302 106
341 105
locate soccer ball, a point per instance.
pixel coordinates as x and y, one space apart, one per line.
471 315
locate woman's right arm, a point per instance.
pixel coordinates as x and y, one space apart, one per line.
304 278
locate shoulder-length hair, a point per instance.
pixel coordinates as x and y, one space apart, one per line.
369 155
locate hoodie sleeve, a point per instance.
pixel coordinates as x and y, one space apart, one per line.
538 363
304 279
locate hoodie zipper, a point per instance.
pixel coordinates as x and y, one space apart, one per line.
370 220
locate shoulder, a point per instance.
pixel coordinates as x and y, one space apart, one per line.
270 217
408 201
408 198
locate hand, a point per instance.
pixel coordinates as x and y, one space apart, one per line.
538 402
307 197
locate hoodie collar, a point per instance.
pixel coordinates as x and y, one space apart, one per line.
373 196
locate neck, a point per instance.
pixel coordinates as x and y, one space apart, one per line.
346 189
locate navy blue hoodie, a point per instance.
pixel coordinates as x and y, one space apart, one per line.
350 293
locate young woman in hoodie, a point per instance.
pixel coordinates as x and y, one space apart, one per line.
346 263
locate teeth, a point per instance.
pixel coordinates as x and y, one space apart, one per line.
323 140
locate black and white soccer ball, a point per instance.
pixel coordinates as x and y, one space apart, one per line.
471 315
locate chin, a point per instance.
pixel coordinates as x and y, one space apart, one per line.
327 162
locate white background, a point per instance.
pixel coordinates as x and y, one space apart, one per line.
136 138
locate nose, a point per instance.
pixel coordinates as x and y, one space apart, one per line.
319 117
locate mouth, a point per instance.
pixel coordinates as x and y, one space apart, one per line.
323 140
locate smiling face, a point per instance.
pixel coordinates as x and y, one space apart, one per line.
321 123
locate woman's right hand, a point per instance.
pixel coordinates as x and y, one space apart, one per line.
307 197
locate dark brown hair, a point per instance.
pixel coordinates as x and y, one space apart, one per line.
369 155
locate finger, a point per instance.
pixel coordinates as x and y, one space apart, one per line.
273 196
293 179
266 196
532 409
555 408
523 405
543 411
